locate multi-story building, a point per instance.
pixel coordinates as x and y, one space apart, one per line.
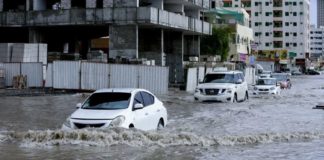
281 29
320 13
316 42
241 38
167 31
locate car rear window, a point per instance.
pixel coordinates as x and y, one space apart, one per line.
107 101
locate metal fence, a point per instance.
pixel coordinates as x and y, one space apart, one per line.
93 76
33 71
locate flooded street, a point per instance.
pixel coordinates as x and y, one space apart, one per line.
269 128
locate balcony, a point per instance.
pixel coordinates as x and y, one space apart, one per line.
126 16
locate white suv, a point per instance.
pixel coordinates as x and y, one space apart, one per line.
222 86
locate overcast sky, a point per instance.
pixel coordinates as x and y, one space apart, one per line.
313 14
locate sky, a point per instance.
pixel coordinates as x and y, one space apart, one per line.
313 14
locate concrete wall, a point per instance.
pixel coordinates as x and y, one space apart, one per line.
120 3
123 41
158 4
1 5
91 3
39 5
176 8
66 4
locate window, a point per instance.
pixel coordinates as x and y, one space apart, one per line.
78 3
267 44
301 13
295 14
287 44
138 99
267 3
301 3
295 44
267 34
256 3
256 14
286 3
295 34
267 13
286 13
99 4
236 5
286 23
295 3
213 4
148 98
295 24
287 34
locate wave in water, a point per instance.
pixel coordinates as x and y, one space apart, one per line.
139 138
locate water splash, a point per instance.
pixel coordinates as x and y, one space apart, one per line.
118 136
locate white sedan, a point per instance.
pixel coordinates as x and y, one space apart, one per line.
266 86
127 108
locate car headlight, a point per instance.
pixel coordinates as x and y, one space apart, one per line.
117 122
255 88
67 122
197 90
229 90
272 88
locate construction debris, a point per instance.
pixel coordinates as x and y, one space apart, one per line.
20 82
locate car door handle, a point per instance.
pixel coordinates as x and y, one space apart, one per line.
146 114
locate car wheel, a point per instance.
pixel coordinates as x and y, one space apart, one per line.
235 98
246 97
160 125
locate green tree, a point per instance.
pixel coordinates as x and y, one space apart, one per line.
217 43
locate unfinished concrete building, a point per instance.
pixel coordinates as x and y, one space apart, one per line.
167 31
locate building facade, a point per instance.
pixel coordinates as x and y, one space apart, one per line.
316 42
281 28
320 13
166 31
241 38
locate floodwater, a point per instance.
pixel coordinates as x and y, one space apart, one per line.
269 128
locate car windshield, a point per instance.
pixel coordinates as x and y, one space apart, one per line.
107 101
266 82
219 78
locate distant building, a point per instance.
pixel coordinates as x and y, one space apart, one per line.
281 29
320 13
242 36
316 42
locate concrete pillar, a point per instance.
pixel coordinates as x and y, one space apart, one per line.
174 48
35 36
1 5
123 41
66 4
91 3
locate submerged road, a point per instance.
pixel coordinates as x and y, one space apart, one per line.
280 127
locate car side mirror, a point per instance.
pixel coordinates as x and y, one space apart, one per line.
138 106
79 105
239 81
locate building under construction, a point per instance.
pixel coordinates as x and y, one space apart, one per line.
166 31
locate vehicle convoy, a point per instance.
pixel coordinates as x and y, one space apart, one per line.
127 108
266 86
222 86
